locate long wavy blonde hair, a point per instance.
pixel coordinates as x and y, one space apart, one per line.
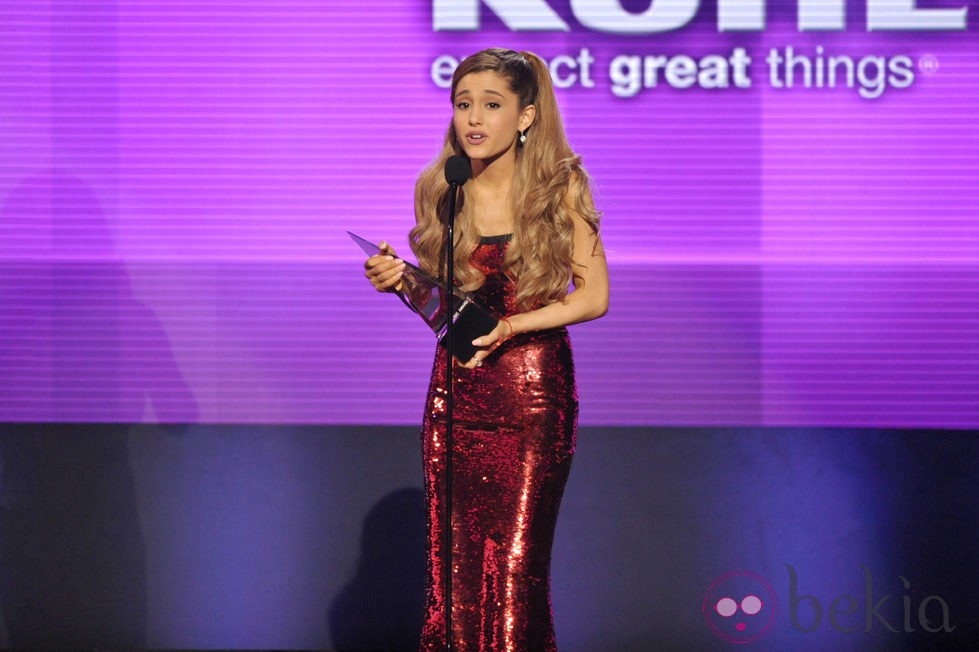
550 186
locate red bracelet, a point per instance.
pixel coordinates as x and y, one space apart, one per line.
510 326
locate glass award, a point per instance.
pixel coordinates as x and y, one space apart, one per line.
426 296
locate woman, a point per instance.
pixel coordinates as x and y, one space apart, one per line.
525 230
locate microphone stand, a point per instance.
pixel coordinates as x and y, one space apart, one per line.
449 422
457 172
449 425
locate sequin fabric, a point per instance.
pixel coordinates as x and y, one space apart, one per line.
515 425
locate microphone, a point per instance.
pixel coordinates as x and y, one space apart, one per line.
458 170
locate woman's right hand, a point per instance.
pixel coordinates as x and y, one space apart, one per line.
384 270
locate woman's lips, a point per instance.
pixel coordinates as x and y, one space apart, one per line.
475 137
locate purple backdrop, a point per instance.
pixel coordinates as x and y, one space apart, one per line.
176 179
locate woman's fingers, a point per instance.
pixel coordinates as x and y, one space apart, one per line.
386 283
486 340
475 361
386 249
487 344
383 271
381 261
495 336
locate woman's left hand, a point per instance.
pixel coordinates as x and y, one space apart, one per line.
489 342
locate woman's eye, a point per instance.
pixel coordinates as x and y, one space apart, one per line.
462 105
493 105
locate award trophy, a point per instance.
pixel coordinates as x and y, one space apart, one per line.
426 296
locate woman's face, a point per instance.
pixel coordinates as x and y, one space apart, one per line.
487 116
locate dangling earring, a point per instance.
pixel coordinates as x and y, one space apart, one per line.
523 136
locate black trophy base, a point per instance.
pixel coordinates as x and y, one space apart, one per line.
471 321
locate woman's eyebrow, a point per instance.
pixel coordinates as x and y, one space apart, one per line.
469 92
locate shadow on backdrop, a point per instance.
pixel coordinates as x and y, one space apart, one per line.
75 345
381 608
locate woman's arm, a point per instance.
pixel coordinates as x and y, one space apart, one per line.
589 299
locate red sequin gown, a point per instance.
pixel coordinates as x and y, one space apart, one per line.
515 424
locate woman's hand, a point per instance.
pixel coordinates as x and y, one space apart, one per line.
489 343
384 270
